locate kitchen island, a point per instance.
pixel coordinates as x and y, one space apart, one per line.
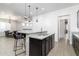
40 44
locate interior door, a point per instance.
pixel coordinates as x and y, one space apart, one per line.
62 29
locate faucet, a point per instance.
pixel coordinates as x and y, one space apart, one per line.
41 29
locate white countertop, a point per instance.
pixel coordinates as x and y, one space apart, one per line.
27 32
76 34
39 36
36 36
30 32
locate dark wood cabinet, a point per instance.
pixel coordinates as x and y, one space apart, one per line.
75 44
42 47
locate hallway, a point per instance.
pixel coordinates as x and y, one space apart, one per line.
62 48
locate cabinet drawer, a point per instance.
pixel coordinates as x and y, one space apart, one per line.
44 48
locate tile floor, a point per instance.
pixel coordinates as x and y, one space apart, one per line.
61 48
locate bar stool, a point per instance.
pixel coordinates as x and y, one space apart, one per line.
17 36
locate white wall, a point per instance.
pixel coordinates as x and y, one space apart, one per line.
13 25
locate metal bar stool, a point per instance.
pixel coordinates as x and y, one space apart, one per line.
18 36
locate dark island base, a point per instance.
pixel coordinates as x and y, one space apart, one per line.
39 47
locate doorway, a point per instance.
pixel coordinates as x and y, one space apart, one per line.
64 28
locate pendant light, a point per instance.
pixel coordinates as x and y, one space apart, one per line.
29 17
9 19
36 14
25 17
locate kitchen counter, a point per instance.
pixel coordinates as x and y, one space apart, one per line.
31 32
39 36
34 35
76 34
75 42
40 44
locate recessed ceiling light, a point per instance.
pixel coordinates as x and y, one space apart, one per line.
42 8
23 24
31 13
27 24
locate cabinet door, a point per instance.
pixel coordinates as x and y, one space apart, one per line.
50 43
78 18
53 42
75 44
47 45
73 41
44 47
35 47
50 39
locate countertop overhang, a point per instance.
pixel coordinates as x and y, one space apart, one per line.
31 32
76 34
39 36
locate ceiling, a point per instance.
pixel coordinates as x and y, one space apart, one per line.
19 8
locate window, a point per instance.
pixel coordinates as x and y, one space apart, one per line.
4 26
